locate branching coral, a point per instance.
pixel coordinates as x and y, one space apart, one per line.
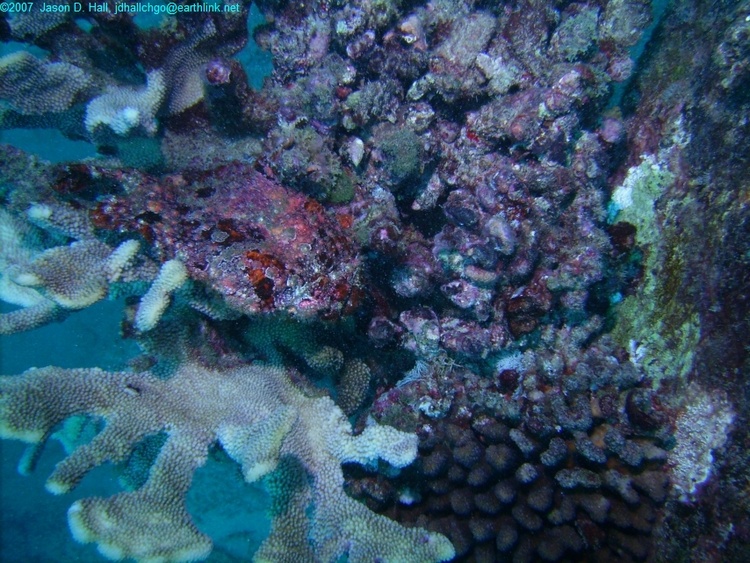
171 276
82 89
125 108
259 417
33 86
48 283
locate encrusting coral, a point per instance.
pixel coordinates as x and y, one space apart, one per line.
261 419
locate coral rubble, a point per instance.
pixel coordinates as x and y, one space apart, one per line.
509 239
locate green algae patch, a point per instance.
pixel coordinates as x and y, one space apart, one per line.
658 326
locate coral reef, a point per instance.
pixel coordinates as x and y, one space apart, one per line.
543 460
509 240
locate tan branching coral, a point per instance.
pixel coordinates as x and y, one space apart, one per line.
274 336
48 283
33 87
353 384
171 276
35 24
261 419
63 278
184 67
124 108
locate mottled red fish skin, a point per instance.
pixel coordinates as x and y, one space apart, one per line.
261 245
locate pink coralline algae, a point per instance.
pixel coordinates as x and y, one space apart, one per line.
260 245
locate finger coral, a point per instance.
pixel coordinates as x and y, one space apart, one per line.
261 419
